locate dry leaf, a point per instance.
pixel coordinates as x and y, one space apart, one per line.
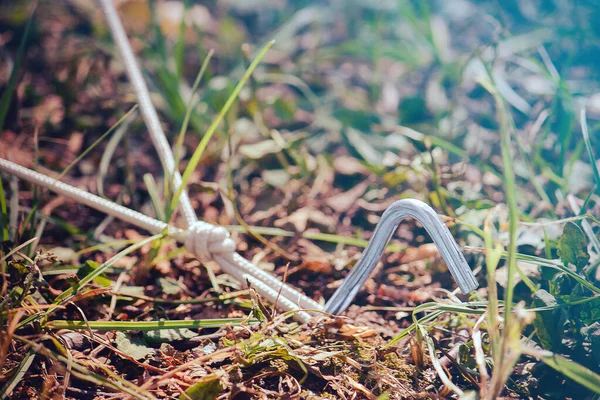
299 219
315 266
356 331
344 201
347 165
425 251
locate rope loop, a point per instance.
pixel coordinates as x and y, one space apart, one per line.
205 240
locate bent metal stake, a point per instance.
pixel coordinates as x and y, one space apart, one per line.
211 242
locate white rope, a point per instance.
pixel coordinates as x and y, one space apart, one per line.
209 242
202 239
148 111
221 248
81 196
234 260
206 240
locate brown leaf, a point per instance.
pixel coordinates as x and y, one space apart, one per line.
299 219
360 387
89 293
11 149
344 201
315 266
51 110
324 179
347 165
356 331
417 353
425 251
75 142
312 251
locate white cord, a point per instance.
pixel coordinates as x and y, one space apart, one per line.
203 240
210 242
148 111
206 240
234 260
223 253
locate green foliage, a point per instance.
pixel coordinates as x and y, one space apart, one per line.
7 95
89 267
568 368
590 151
572 247
592 334
169 335
196 156
549 325
208 388
67 294
132 346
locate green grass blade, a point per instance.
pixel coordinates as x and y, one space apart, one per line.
103 267
352 241
108 153
98 141
447 145
411 328
12 80
3 213
510 189
472 308
30 319
195 160
19 247
155 197
476 308
588 145
316 236
102 246
556 264
161 46
19 374
179 47
437 365
493 255
147 325
568 368
190 107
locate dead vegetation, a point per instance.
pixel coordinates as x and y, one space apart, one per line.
355 106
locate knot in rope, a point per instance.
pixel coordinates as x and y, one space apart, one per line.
205 240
